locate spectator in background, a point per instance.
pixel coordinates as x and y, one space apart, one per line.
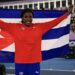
72 35
72 27
70 9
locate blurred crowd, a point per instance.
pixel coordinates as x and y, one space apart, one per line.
71 10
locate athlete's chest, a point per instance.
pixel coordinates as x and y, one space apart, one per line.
27 32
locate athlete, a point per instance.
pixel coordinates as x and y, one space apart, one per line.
27 36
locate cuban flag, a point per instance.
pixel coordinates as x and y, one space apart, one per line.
55 42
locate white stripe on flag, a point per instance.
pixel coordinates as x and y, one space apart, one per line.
10 48
55 43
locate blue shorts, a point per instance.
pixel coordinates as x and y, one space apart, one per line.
27 69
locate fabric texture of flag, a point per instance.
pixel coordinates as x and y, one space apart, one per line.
55 42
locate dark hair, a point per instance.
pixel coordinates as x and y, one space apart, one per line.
25 11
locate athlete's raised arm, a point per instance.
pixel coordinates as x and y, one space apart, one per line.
48 25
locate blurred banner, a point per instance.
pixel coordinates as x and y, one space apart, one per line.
55 43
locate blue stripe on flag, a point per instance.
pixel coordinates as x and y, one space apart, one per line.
61 51
56 33
37 13
6 56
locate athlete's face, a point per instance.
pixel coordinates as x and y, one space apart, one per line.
27 18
